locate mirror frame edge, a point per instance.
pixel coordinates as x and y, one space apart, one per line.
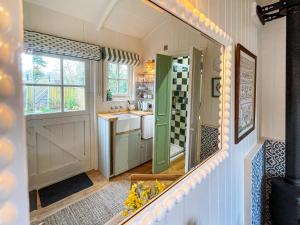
157 208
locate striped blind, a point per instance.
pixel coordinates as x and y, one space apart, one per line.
45 43
120 56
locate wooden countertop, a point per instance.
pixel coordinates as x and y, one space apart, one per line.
140 113
112 116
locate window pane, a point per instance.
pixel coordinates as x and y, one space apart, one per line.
41 99
123 86
39 69
123 72
113 70
113 86
74 99
73 72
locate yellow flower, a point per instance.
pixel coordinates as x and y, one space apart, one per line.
139 194
125 213
160 186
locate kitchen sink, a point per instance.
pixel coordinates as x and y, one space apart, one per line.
127 122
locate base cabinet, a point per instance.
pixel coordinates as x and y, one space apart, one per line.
146 150
121 153
134 151
127 151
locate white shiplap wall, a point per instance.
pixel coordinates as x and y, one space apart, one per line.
273 38
219 200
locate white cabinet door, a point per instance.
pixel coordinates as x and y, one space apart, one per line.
121 153
149 150
143 152
146 150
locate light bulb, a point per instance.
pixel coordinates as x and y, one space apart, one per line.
7 118
7 87
5 22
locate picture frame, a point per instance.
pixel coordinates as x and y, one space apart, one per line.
215 87
245 92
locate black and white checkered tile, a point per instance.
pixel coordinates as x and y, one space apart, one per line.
179 100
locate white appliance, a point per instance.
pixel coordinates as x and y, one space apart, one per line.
147 126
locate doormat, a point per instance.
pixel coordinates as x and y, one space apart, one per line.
63 189
33 200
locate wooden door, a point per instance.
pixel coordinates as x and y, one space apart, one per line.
161 153
58 148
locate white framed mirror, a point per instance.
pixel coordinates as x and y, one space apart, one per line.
198 171
144 109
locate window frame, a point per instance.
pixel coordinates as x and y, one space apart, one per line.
118 97
61 86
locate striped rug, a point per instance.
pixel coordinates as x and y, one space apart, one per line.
95 209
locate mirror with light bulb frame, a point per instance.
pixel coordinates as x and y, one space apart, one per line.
182 76
220 87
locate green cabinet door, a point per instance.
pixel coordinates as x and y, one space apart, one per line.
134 150
163 79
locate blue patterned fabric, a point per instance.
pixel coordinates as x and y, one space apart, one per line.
257 177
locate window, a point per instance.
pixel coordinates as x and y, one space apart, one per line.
53 84
119 79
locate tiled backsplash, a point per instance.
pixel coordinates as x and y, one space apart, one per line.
257 187
275 167
209 141
271 157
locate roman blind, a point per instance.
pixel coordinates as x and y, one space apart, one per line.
45 43
120 56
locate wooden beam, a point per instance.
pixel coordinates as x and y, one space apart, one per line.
106 13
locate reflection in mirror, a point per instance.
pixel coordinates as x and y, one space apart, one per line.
157 98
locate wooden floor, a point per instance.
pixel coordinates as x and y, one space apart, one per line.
99 181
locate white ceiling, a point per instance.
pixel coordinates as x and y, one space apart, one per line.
134 18
266 2
131 17
88 10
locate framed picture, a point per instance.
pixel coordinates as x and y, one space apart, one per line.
216 85
245 92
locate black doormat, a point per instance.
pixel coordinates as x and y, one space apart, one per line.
63 189
33 200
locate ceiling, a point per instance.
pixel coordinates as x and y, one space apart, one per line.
131 17
77 8
266 2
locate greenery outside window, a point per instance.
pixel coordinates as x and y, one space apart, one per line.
53 84
119 78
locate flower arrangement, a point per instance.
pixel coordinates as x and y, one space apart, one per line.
140 194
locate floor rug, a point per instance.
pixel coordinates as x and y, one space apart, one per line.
63 189
95 209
